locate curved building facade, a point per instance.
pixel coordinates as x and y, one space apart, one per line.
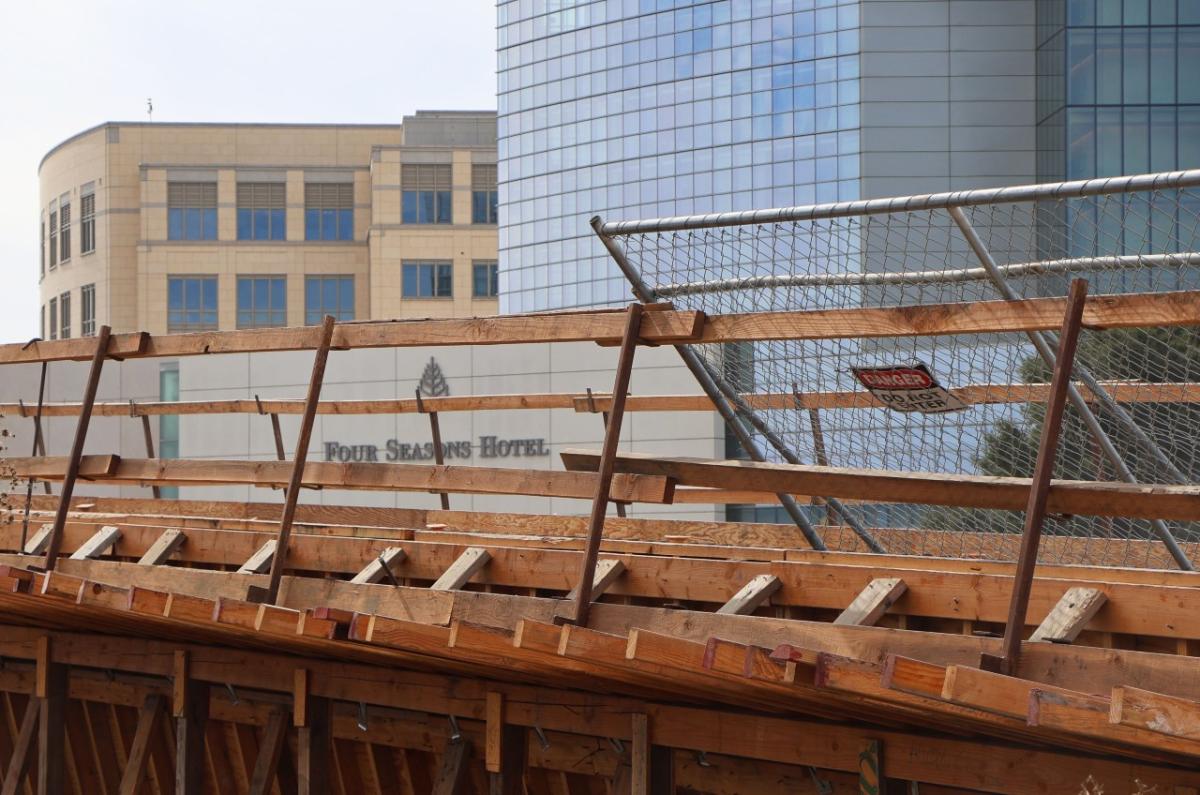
188 227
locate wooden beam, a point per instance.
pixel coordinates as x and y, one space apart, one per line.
870 777
752 595
300 457
1071 615
371 476
1156 712
139 752
266 765
50 688
453 773
1043 471
167 544
37 544
1084 498
260 561
639 756
605 469
189 706
462 570
99 354
148 437
18 765
601 326
377 569
104 540
872 602
493 747
314 739
608 571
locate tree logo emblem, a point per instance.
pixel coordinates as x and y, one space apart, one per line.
433 382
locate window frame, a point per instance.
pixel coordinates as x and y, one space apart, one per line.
492 277
440 271
426 194
53 236
261 211
53 326
64 316
314 316
253 316
199 282
87 310
64 232
187 205
318 202
485 195
87 223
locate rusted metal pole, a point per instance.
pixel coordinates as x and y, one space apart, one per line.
293 491
612 438
37 444
81 429
1035 512
435 429
149 437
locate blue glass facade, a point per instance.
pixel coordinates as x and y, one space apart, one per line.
640 108
1117 87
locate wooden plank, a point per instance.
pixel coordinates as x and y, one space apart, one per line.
608 571
104 540
601 326
1156 712
22 756
376 570
1087 715
189 706
372 476
1071 615
752 595
51 691
37 543
314 748
639 756
870 777
260 561
139 752
872 602
1085 498
266 765
462 570
976 317
453 772
164 547
493 745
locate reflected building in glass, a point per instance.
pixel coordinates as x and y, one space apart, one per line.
643 108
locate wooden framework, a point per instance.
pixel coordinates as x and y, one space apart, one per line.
208 647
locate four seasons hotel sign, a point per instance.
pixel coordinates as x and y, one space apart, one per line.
433 384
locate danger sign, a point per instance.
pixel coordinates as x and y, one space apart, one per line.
908 388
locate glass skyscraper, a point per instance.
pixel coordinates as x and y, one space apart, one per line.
1118 87
642 108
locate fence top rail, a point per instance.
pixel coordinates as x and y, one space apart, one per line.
1169 180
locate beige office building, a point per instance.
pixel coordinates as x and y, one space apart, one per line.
190 227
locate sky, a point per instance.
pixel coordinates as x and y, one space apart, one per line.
71 64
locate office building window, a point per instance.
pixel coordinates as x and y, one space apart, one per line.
53 237
87 223
42 252
260 211
168 424
64 231
191 303
64 315
485 279
328 211
426 193
42 323
53 318
261 301
427 280
484 198
328 295
87 310
192 210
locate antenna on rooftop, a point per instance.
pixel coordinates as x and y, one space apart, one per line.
150 108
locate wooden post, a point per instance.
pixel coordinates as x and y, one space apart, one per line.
1035 512
81 429
189 705
293 491
505 750
604 421
37 444
50 689
435 430
149 437
604 476
18 766
453 773
314 738
870 777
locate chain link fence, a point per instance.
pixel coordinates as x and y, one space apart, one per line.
1136 415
